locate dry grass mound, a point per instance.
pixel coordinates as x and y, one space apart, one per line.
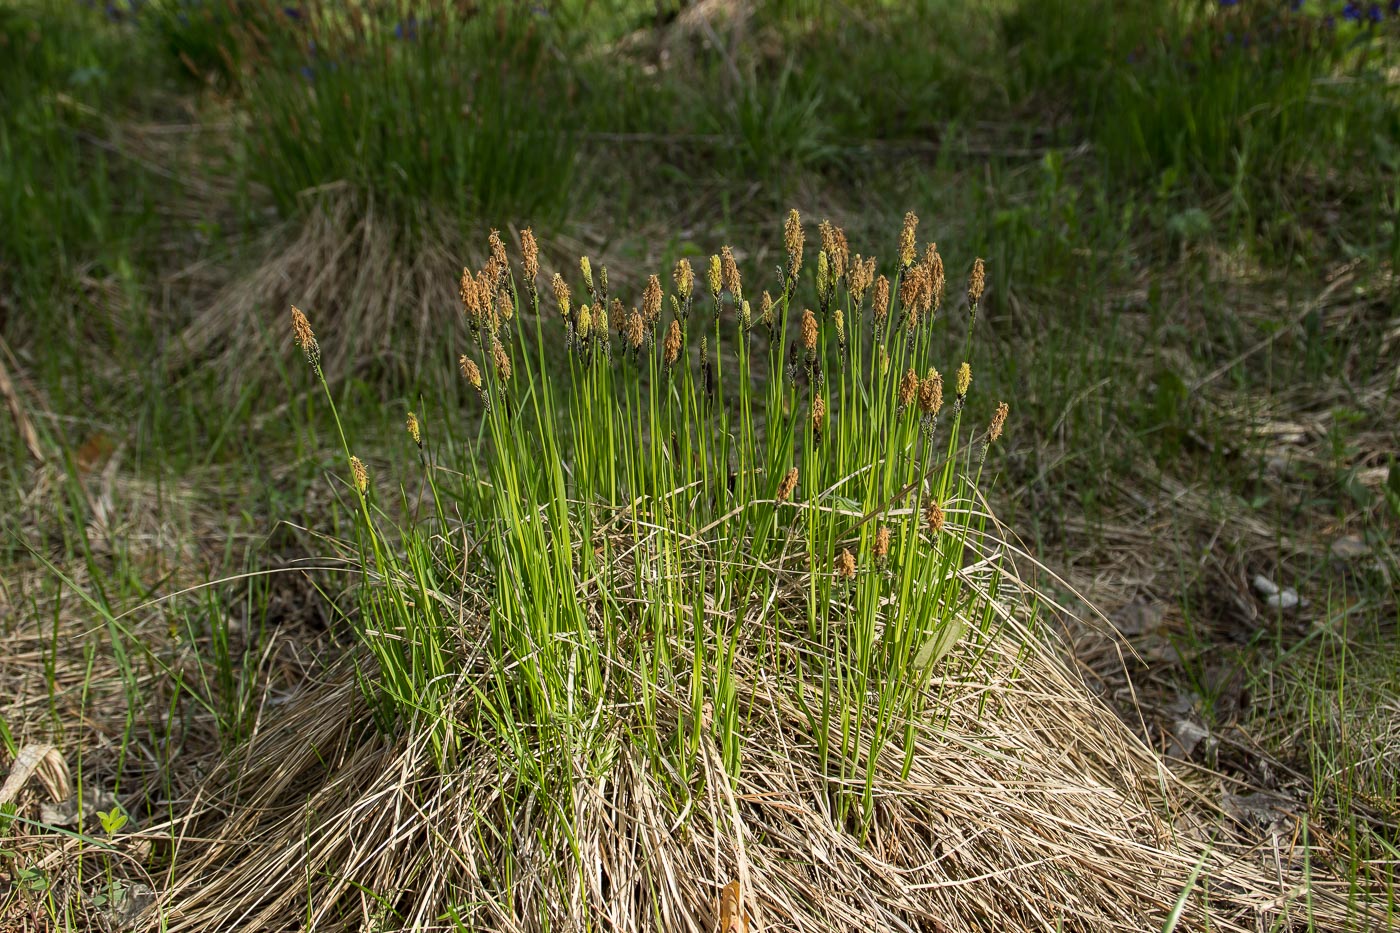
1026 805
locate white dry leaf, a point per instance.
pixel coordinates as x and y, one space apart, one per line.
44 762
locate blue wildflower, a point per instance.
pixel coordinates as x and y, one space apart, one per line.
1374 12
1352 11
308 73
291 12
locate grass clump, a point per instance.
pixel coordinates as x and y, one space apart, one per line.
713 601
662 511
414 104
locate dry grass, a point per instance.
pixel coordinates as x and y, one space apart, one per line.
1031 806
386 286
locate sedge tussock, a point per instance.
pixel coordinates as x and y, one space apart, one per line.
635 658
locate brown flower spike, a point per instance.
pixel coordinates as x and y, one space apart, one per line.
937 279
671 348
305 337
765 311
846 564
530 253
931 393
793 239
809 332
880 303
998 423
470 371
651 300
498 251
729 275
502 362
786 487
359 474
882 542
908 388
976 282
933 514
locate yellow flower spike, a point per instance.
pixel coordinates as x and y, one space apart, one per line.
684 276
413 430
906 240
359 474
561 294
729 275
793 239
964 379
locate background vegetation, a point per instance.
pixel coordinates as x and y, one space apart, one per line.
1189 212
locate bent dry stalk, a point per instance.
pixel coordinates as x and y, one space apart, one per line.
636 533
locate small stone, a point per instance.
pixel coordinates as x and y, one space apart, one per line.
1350 547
